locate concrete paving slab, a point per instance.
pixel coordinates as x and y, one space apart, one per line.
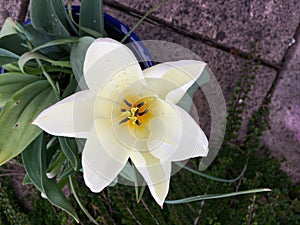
230 23
283 139
227 68
15 9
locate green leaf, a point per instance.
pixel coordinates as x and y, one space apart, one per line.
8 28
13 43
7 57
70 150
211 177
77 57
63 16
55 43
31 55
11 83
34 160
55 167
38 38
85 29
26 180
91 16
67 170
128 173
17 114
71 88
44 17
12 68
215 196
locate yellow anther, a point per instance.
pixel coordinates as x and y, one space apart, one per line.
132 116
133 111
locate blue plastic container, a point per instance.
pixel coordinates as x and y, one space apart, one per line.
117 30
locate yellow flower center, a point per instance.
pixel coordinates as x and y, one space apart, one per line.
138 113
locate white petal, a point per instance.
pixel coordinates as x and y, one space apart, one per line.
166 129
171 80
111 63
103 157
71 117
175 135
193 142
155 173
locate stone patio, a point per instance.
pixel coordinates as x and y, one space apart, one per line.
225 33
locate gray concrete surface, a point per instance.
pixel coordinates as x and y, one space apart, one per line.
283 139
224 33
13 8
235 24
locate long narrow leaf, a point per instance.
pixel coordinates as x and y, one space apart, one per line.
32 55
215 196
211 177
70 150
7 57
91 16
34 160
55 43
44 17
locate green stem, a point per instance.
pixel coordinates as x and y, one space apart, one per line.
85 29
79 203
49 79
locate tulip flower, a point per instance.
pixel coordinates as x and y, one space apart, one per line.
129 114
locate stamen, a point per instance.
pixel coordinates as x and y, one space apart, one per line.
140 104
124 120
123 110
144 112
127 103
138 123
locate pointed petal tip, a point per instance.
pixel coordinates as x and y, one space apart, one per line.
91 186
37 119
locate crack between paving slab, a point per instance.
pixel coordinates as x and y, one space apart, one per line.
205 40
284 62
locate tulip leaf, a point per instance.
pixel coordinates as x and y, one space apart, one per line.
11 83
215 196
7 57
67 170
55 167
26 180
91 16
34 160
38 38
45 17
32 55
77 57
55 43
8 28
13 43
17 114
70 149
71 88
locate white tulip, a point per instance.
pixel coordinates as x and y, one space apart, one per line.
131 114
